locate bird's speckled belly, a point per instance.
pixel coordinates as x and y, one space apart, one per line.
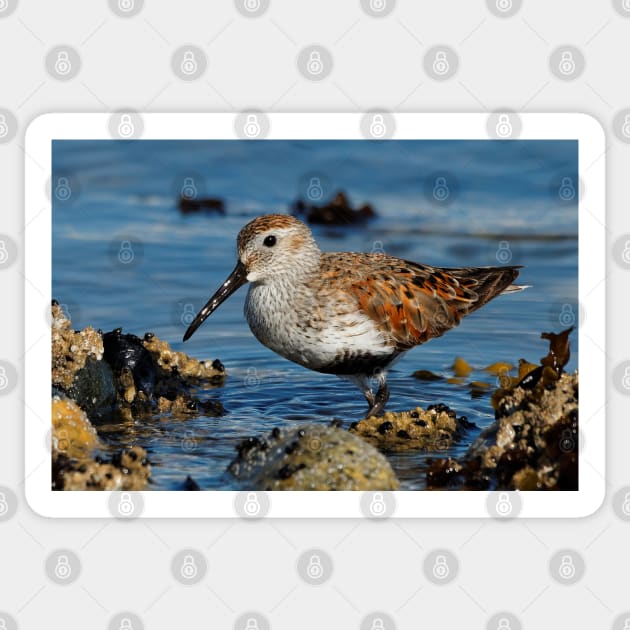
315 337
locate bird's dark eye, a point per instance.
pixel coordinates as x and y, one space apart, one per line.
269 241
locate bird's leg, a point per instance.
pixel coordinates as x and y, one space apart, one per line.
377 403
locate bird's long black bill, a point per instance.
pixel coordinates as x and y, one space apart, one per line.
236 279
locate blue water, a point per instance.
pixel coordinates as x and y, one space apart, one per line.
495 201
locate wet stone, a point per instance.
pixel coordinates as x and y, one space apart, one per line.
311 457
437 427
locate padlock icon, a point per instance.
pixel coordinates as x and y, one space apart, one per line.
504 126
126 5
62 569
441 190
4 5
252 504
252 5
440 63
3 623
4 506
378 624
125 126
378 128
625 129
188 315
251 624
188 442
441 569
567 316
504 5
63 191
377 504
625 506
252 126
567 443
504 505
125 624
314 569
377 247
4 128
626 378
626 624
125 253
4 254
63 442
378 5
189 190
125 505
62 63
567 568
315 191
626 253
189 569
251 379
626 5
566 192
189 63
504 624
504 253
315 65
567 63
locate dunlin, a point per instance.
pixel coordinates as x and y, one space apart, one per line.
347 314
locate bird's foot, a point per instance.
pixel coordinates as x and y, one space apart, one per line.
377 403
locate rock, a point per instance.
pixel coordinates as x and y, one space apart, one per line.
74 440
532 445
190 205
128 469
93 386
72 433
311 457
426 375
78 368
128 357
436 428
337 212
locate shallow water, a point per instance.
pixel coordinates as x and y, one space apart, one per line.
499 193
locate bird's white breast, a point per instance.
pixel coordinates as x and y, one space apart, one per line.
313 334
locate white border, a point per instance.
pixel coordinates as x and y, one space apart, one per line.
44 129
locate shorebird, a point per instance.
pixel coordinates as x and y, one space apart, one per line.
343 313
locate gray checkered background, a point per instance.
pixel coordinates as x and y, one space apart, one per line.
131 55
